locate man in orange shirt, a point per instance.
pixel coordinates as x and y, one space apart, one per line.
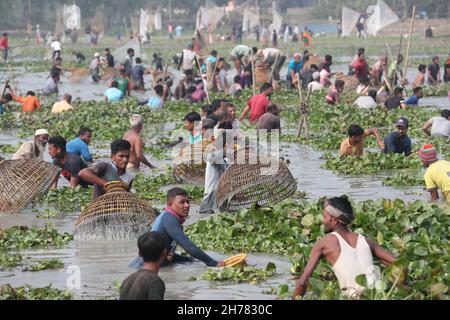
30 103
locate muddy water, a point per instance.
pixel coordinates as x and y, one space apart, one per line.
101 263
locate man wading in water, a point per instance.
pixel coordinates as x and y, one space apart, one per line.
133 136
348 252
169 223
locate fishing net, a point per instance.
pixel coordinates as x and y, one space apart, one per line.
381 17
349 19
116 215
245 183
109 73
78 75
190 165
158 75
22 182
121 53
312 59
72 17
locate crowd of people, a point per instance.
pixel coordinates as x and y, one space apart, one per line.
382 84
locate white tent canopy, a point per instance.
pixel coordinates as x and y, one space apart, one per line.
209 14
72 17
251 19
158 20
145 25
382 17
349 19
277 21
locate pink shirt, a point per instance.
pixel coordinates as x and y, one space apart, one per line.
258 106
324 77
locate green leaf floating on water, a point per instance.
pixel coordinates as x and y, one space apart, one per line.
308 220
248 274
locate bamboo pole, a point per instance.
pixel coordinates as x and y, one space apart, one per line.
405 68
201 75
253 76
4 89
214 72
273 69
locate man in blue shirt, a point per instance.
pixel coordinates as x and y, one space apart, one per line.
294 67
398 141
191 120
79 145
211 60
113 94
156 101
169 223
414 100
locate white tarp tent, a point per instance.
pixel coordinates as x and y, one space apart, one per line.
277 22
209 14
72 17
349 20
381 17
145 25
158 20
251 19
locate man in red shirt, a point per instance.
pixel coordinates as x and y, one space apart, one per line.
361 67
257 105
4 45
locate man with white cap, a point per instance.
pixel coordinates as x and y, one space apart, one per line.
349 253
133 136
33 149
437 175
94 68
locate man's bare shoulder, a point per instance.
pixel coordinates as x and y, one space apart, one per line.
130 135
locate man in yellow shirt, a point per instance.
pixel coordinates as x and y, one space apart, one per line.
437 175
354 144
63 105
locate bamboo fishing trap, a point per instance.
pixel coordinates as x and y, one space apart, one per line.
116 215
246 182
22 182
190 165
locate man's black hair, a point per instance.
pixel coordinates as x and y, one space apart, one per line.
55 75
417 89
151 245
398 90
192 117
159 89
342 204
237 79
314 66
254 50
120 145
30 93
215 104
188 72
328 58
138 60
225 125
114 84
8 97
339 83
206 108
373 93
422 67
174 192
214 53
58 142
273 108
130 50
361 50
265 86
107 49
84 130
364 80
191 90
355 130
445 113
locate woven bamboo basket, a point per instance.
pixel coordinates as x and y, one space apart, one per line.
351 83
116 215
190 165
238 260
261 75
245 183
78 75
22 182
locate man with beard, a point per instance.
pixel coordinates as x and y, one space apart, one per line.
398 141
115 169
349 253
33 149
71 164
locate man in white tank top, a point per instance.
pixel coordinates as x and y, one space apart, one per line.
348 252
